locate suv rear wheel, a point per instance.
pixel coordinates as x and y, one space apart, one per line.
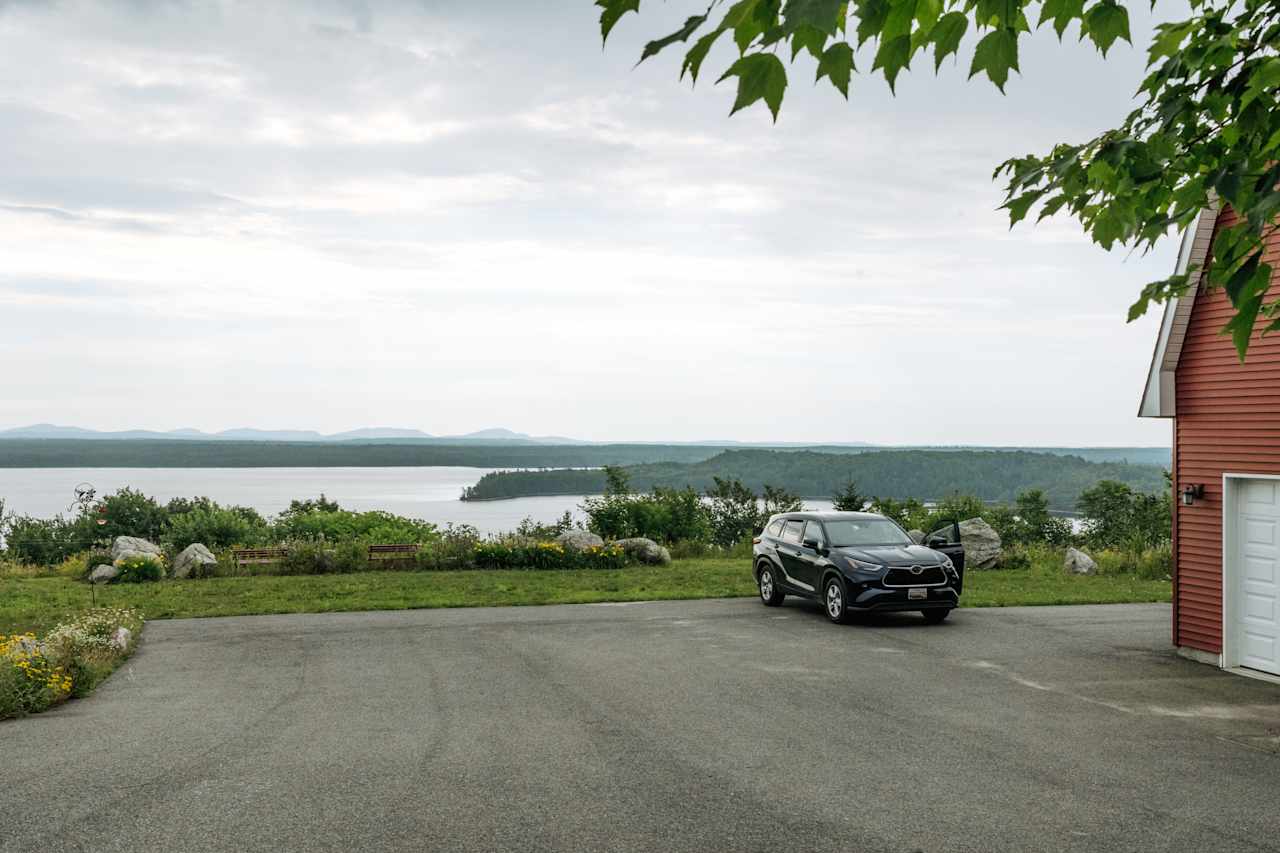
833 600
770 593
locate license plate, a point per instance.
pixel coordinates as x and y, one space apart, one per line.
917 592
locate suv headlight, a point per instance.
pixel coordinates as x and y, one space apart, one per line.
860 566
948 565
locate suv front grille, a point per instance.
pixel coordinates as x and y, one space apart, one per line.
915 576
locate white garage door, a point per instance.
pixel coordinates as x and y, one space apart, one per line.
1257 562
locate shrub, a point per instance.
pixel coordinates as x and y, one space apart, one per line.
40 541
382 528
95 557
1150 563
71 659
664 515
530 529
216 527
127 512
1119 517
733 512
139 569
306 558
29 681
452 551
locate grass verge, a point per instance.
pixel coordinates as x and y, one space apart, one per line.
36 604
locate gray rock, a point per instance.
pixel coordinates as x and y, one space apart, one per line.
121 638
103 574
1077 562
131 546
645 551
579 540
981 543
917 536
194 559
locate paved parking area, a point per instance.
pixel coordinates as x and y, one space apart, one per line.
707 726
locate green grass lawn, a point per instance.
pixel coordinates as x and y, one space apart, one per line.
37 603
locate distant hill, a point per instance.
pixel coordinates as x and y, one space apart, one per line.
500 436
993 475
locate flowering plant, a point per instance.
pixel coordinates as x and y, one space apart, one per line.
72 659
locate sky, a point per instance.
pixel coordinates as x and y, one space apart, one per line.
450 216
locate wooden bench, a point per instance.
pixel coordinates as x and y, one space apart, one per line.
392 554
258 556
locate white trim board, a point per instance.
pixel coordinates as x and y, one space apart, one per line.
1159 394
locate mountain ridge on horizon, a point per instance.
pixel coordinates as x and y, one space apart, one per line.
398 435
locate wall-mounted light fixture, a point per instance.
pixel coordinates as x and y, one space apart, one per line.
1192 493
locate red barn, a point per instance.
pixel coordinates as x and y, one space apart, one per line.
1226 470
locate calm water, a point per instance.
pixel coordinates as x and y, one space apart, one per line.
428 493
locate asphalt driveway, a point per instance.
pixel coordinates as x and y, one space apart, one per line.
712 725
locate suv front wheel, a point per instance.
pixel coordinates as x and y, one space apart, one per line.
770 593
833 600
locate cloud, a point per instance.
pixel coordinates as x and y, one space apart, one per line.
468 211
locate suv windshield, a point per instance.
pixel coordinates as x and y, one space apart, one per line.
865 531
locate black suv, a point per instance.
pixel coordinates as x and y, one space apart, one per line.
858 562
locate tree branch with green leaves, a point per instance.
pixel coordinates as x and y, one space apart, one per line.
1206 131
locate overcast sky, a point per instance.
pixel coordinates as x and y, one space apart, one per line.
458 215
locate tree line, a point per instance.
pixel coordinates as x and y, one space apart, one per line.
899 474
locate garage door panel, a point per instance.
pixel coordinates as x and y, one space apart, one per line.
1259 651
1260 609
1260 492
1259 532
1258 570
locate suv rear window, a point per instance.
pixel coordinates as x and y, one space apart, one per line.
791 533
775 528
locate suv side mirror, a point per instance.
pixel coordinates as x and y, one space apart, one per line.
813 544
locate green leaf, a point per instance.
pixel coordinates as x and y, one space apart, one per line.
927 12
611 11
760 76
1247 305
1263 80
693 59
690 27
1062 13
1019 206
893 56
946 36
996 13
996 54
1106 22
836 65
808 38
902 13
822 15
871 16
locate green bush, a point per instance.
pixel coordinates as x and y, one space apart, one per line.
1149 564
530 529
216 527
40 541
139 569
664 515
516 554
733 512
376 527
453 550
93 558
1120 518
69 661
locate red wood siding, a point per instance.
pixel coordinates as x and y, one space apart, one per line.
1228 420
